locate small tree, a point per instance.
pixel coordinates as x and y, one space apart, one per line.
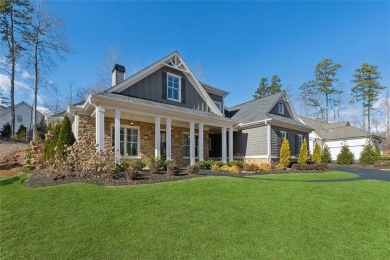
303 153
368 155
317 153
377 152
326 156
51 141
22 131
285 153
66 136
6 130
345 156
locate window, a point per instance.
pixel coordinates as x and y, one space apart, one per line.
283 134
281 108
186 145
19 119
173 87
218 104
128 141
300 141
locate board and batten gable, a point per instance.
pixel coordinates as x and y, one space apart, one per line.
250 142
154 87
286 113
276 140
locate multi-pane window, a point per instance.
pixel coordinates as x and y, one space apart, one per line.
300 142
128 140
186 145
218 104
19 119
173 87
281 108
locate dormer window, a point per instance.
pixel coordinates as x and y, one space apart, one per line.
173 87
218 104
281 108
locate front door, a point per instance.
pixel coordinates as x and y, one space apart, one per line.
163 145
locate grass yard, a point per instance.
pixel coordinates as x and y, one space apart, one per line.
201 218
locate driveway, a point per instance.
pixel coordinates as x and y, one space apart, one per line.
364 174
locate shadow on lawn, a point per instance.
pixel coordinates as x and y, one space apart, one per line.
10 181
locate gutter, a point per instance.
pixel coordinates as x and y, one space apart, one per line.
265 121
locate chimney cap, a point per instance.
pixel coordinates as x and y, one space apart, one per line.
119 68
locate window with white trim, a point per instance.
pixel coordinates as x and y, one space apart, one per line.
186 145
19 119
173 87
300 142
128 141
281 108
218 104
283 134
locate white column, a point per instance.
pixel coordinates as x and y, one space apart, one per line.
99 128
192 143
76 127
231 144
117 128
268 143
168 125
157 139
224 144
200 142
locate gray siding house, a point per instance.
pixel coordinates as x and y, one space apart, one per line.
164 111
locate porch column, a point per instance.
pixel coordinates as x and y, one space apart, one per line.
157 139
168 125
99 123
231 144
192 143
76 127
224 144
117 136
200 142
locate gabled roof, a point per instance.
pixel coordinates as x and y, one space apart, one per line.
259 109
8 109
333 131
175 61
212 89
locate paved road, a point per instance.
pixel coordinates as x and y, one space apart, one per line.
364 174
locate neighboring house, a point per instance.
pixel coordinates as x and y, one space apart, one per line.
22 116
164 111
334 135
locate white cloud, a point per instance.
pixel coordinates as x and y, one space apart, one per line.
44 110
380 103
27 75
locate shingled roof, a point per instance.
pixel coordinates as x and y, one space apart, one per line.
258 109
338 130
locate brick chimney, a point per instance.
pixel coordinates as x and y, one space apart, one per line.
118 74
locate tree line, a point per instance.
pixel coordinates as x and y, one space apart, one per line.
321 94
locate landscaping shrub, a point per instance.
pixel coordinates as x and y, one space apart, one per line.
65 137
204 165
6 130
317 153
122 166
219 163
192 169
166 163
285 153
215 168
250 166
385 158
264 167
225 168
368 154
20 134
154 165
173 169
377 152
137 165
234 169
345 156
303 153
280 167
239 164
132 174
51 142
326 156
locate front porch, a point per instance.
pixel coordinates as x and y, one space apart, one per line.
136 134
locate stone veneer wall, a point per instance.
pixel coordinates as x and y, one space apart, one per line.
87 127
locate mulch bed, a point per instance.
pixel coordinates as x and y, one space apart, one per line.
43 178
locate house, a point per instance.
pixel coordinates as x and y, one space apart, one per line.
334 135
164 111
23 116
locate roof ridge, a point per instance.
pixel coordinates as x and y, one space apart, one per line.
257 99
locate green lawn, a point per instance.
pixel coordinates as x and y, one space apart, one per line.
201 218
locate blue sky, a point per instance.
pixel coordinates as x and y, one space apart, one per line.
237 43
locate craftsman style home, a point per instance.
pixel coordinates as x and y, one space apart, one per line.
164 111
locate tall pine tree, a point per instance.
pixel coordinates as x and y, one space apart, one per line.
266 89
367 88
325 76
261 91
